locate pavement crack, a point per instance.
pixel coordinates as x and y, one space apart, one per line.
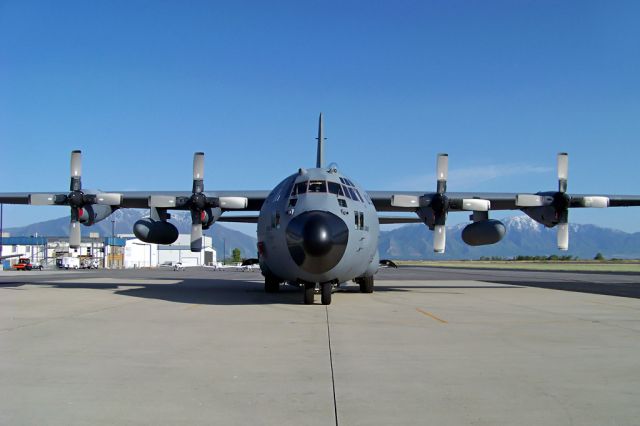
333 380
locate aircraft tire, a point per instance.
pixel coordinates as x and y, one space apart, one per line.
309 293
271 284
366 284
325 290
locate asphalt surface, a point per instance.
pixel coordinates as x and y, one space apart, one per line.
430 346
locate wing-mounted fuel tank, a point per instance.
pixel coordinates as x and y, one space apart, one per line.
90 214
483 232
155 229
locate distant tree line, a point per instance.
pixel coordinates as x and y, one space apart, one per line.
521 258
553 257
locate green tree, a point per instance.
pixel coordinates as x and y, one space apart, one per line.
236 255
599 256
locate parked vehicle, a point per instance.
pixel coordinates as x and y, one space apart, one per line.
24 264
89 263
70 262
176 266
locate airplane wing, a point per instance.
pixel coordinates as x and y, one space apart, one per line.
141 199
550 208
383 200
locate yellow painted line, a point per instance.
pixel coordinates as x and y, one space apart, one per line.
193 306
430 315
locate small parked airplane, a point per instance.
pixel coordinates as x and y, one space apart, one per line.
317 226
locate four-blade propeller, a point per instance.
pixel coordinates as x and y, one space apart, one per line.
198 203
439 204
76 199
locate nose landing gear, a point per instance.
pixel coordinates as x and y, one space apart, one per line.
326 290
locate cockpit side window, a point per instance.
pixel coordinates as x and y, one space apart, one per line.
335 188
318 186
353 194
301 187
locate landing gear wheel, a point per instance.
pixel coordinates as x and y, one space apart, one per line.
325 290
309 293
271 284
366 284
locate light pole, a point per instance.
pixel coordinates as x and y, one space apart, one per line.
224 250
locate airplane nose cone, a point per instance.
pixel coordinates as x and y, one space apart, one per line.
317 240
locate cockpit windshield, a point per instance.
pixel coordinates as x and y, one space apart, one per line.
317 186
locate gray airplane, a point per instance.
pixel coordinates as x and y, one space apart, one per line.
318 228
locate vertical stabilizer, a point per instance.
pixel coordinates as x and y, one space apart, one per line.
320 155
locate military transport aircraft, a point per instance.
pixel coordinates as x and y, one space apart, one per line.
318 227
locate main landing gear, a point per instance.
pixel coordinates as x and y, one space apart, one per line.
366 284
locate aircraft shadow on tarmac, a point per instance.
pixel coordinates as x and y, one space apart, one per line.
631 290
230 292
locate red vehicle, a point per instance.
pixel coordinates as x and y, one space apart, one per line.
24 264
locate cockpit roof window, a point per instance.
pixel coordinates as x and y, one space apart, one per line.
318 186
349 182
342 180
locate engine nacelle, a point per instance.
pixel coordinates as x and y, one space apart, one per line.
91 214
483 232
155 231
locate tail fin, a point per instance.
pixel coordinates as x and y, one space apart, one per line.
320 154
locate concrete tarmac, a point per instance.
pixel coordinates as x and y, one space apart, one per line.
430 346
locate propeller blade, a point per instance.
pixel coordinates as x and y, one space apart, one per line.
233 202
198 172
76 170
531 200
74 234
42 199
165 201
108 199
563 171
439 238
595 202
476 204
399 200
442 172
563 236
196 237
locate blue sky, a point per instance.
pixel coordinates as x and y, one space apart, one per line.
502 86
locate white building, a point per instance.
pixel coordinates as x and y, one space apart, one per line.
138 254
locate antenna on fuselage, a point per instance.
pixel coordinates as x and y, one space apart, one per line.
321 138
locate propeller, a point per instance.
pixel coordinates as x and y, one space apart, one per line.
560 202
198 203
76 199
439 203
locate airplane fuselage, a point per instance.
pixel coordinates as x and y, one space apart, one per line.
318 226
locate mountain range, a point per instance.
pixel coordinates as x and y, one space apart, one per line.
523 237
